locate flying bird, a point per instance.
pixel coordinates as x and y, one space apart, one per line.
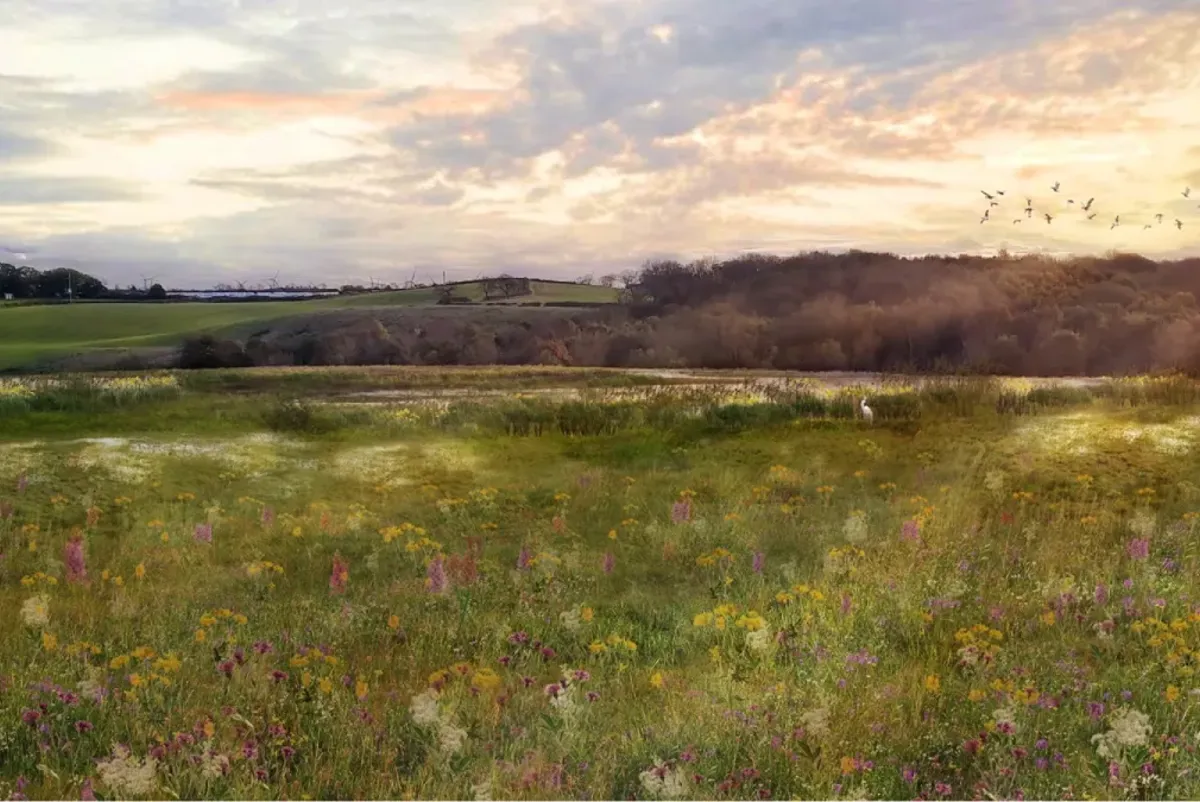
1048 219
1187 191
1090 216
1029 209
1016 221
1158 217
1088 206
1055 187
1147 226
1179 224
1069 200
986 195
999 192
993 203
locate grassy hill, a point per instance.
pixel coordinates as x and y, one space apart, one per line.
29 334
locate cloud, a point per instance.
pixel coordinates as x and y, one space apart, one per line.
28 190
247 137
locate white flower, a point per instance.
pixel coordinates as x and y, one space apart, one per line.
450 737
570 619
127 776
35 612
816 722
424 708
482 790
1143 523
759 640
213 765
662 782
855 528
995 481
1127 728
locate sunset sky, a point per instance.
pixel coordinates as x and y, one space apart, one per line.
199 141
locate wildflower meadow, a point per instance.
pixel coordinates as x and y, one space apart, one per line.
632 592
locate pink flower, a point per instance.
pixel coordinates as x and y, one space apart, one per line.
1138 548
681 511
910 531
435 576
339 575
73 559
610 562
758 562
202 533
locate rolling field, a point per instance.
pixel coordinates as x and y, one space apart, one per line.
36 332
620 589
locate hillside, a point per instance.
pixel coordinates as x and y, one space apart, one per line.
32 334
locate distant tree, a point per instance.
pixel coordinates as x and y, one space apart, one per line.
609 280
156 293
586 279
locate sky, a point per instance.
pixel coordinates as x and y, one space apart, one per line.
332 141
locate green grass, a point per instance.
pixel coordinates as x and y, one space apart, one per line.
30 333
767 596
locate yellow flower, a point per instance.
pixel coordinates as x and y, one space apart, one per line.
49 642
656 679
933 683
306 678
977 695
1171 693
597 647
140 571
201 636
1048 618
486 679
393 622
169 663
298 661
142 653
240 619
117 663
210 729
136 680
360 688
612 534
702 619
848 765
587 614
325 685
164 537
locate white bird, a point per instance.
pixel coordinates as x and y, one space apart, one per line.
867 414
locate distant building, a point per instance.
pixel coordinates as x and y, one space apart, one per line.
8 296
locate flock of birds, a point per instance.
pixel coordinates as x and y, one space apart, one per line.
1086 207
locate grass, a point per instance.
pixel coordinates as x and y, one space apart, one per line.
626 591
36 332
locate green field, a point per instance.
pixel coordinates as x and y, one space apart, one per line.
556 584
30 333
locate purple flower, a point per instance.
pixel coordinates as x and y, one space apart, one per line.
1138 548
1042 744
1095 710
202 533
681 511
592 696
263 647
910 531
846 604
610 562
1101 595
909 774
757 563
279 676
268 516
83 726
73 559
523 559
435 576
86 794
